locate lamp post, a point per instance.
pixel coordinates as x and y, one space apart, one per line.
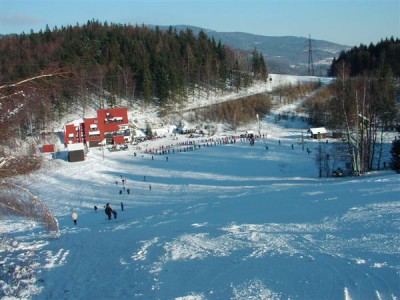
320 154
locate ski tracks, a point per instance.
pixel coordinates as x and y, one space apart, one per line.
56 260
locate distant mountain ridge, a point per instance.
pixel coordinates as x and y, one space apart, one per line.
283 54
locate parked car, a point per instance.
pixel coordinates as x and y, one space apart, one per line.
337 173
123 147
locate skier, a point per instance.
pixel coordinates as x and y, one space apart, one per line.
128 191
122 206
95 208
74 217
114 213
108 210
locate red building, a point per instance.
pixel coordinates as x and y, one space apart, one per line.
73 133
93 136
110 125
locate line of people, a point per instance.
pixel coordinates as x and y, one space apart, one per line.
188 145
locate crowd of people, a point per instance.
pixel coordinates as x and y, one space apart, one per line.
191 145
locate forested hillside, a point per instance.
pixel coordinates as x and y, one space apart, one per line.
284 54
365 59
107 61
362 104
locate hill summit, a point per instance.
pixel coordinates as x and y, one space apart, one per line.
283 54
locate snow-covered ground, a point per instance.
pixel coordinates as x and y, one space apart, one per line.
224 221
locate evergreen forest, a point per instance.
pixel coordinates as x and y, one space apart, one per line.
363 59
110 61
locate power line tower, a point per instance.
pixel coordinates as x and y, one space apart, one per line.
310 58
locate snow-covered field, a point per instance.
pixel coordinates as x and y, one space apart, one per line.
225 221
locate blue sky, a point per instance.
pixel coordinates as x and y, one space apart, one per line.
348 22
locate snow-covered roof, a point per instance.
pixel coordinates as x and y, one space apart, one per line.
139 133
317 130
75 147
76 122
165 130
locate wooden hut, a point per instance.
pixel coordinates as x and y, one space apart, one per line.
318 133
76 152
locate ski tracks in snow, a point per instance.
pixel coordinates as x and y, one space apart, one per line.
56 260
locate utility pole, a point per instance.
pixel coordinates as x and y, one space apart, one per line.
310 58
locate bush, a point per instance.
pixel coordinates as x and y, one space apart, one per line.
395 151
13 166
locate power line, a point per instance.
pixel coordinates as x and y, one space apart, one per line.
310 58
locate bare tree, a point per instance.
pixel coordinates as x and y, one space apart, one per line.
15 96
128 80
14 99
348 110
7 90
19 201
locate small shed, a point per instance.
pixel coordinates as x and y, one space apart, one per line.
318 133
49 148
76 152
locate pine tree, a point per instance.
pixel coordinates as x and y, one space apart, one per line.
236 76
149 131
395 151
258 66
147 84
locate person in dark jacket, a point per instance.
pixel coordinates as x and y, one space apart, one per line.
108 210
114 213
